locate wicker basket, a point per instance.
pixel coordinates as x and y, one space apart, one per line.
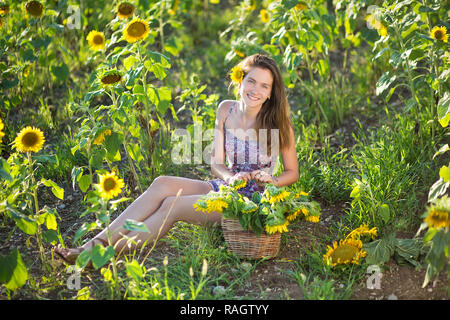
247 244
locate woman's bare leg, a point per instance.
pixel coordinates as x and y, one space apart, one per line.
149 202
163 219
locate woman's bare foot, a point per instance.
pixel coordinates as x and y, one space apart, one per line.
70 255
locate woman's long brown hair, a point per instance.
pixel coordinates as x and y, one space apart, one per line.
275 112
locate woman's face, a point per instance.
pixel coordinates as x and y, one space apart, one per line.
256 87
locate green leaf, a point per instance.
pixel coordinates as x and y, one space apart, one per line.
160 97
380 53
438 189
384 83
384 212
83 258
442 150
50 221
23 222
135 152
443 111
13 272
84 182
129 61
444 173
379 251
57 190
408 249
323 68
440 242
85 228
4 171
61 71
356 192
134 225
112 145
101 255
134 270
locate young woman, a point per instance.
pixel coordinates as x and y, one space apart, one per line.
262 105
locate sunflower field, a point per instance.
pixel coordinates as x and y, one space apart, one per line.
92 93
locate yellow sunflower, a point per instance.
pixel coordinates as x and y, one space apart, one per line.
377 25
110 77
294 215
301 6
439 33
29 139
237 74
252 5
279 197
96 40
34 8
216 205
277 228
347 251
313 219
4 9
2 125
110 185
239 185
264 16
136 30
125 10
362 230
101 137
438 219
299 194
174 7
239 53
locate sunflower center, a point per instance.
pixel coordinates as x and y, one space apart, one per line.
344 252
126 9
109 184
34 8
136 29
110 79
439 34
98 39
30 139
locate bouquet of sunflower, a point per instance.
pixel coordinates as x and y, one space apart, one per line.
271 211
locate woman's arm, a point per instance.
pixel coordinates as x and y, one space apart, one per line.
290 163
218 167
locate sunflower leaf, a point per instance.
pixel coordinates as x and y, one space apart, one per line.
57 190
13 272
379 251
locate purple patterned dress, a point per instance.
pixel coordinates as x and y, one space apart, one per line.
235 148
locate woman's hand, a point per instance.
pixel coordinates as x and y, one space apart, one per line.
261 177
240 176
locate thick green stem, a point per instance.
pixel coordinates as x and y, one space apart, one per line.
130 161
36 206
115 291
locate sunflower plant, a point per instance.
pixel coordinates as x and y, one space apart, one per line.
436 219
271 211
103 201
21 184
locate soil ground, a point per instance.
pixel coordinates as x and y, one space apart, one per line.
268 280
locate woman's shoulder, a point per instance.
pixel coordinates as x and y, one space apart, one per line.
224 108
